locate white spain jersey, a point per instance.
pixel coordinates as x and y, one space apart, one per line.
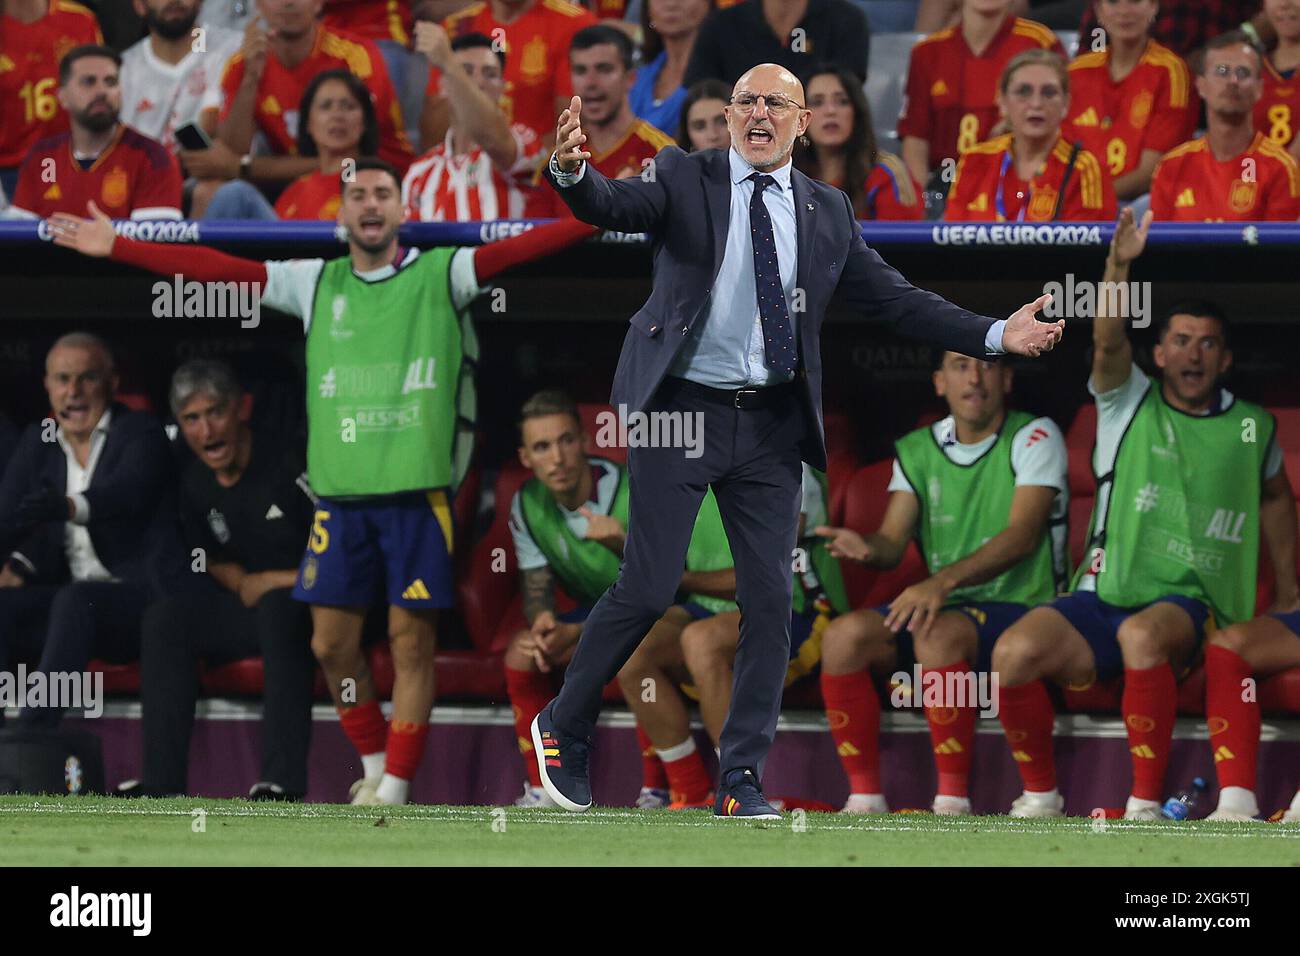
443 187
157 97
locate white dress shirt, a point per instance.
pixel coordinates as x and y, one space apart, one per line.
83 562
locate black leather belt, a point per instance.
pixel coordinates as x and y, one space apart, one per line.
745 398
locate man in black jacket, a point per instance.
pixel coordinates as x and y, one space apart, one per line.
84 518
246 510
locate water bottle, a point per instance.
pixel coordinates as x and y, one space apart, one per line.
1179 806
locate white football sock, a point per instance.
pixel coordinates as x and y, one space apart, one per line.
393 789
1137 803
1047 798
372 765
1239 799
677 752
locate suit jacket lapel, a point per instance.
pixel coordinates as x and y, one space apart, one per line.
718 190
806 226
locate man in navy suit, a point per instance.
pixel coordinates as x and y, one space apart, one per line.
84 517
747 254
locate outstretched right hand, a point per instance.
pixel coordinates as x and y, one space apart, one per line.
569 154
90 237
844 543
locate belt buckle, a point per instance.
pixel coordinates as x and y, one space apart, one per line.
742 394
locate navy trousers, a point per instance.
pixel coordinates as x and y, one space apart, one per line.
750 457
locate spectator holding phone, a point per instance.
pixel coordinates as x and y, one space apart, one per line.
169 79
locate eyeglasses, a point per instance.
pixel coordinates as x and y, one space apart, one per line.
777 105
1243 74
1025 91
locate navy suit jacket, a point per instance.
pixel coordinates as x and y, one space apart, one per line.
686 210
131 496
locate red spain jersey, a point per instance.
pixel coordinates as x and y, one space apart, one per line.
628 156
951 93
311 196
134 177
537 57
987 188
890 192
442 186
1154 107
29 74
372 19
1278 109
1190 185
607 9
280 92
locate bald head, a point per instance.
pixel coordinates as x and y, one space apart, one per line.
766 114
770 77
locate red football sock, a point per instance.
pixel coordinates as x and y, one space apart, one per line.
405 748
1027 717
1234 723
952 732
365 726
529 692
853 711
653 775
688 781
1149 705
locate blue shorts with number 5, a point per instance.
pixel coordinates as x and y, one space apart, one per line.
395 545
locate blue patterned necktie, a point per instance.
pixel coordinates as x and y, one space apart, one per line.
779 349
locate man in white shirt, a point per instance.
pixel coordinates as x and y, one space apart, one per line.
173 76
84 511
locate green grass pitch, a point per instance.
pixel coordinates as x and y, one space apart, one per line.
107 831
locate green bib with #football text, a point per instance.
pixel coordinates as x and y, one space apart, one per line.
1182 515
963 506
390 389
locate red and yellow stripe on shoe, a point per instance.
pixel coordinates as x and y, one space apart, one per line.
730 806
550 749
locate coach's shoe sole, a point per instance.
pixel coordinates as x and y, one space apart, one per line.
551 789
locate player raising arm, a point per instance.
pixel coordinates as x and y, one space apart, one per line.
390 399
1172 546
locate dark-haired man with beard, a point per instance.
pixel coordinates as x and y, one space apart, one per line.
173 76
127 174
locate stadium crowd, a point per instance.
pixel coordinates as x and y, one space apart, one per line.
312 109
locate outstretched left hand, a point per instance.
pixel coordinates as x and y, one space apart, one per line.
1025 335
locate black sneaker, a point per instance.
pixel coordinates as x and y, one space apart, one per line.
741 797
562 761
132 789
265 790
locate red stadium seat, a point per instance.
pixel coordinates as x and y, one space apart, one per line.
120 680
865 500
590 412
491 580
1288 428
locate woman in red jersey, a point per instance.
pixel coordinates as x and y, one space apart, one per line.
338 123
842 150
1032 173
1132 100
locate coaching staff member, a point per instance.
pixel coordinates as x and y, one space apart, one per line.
88 502
244 502
775 245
